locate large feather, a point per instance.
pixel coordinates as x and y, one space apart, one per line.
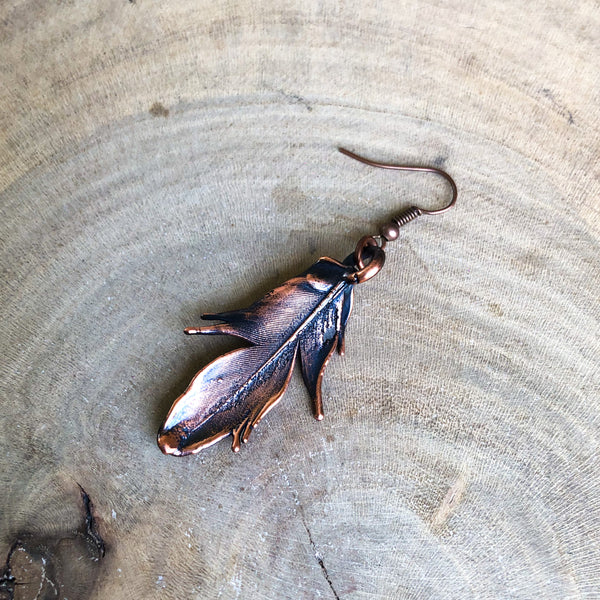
306 315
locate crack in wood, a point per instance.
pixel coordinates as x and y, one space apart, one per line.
90 523
318 556
308 532
51 557
7 580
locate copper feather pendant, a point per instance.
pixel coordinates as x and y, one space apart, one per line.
305 316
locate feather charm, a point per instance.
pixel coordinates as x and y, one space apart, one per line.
305 317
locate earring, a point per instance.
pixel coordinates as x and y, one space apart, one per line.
305 316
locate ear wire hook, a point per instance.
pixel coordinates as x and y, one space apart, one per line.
369 255
414 211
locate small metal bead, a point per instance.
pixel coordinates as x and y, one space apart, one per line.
390 231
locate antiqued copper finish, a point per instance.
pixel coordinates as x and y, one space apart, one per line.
305 317
368 249
394 167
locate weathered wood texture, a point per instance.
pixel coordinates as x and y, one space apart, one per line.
160 160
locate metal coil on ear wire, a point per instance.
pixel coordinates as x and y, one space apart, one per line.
391 230
410 214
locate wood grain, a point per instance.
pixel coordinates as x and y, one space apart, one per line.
161 160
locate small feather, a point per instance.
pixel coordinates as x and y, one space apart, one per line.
235 391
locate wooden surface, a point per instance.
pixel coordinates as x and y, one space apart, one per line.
160 160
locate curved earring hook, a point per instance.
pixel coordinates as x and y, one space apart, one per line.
379 165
